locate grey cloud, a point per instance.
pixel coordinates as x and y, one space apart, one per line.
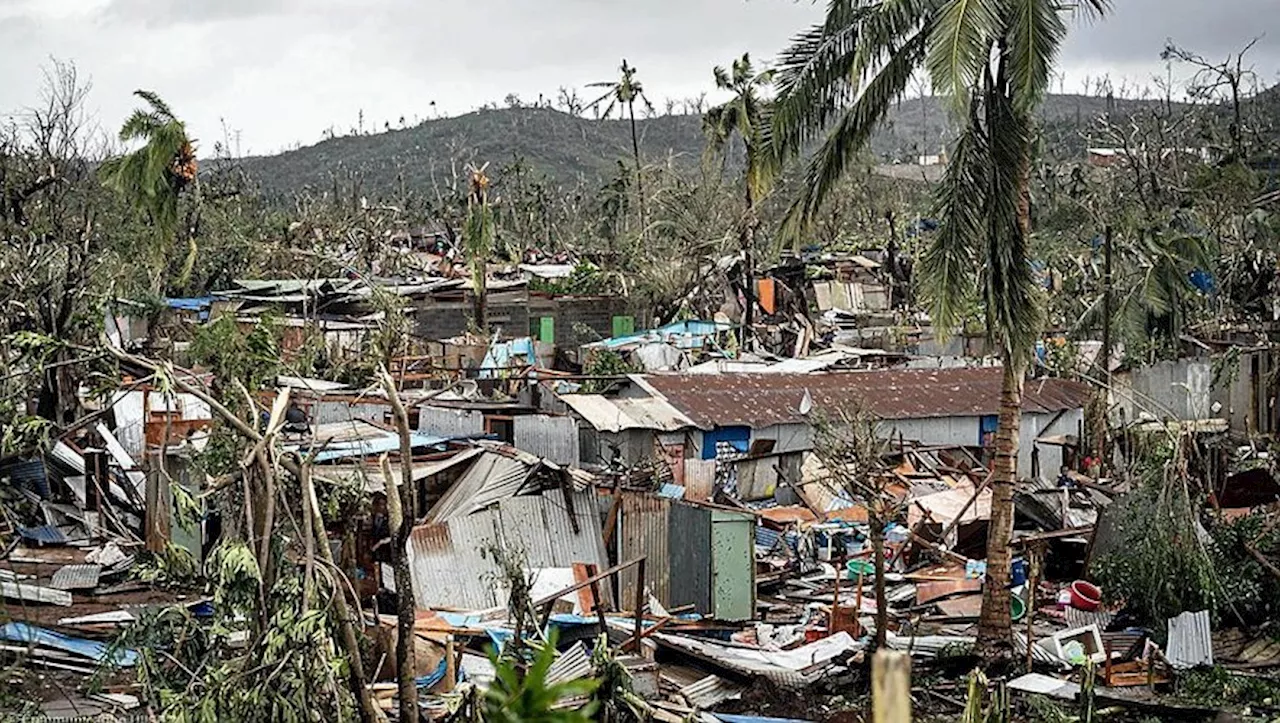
160 13
1137 31
281 70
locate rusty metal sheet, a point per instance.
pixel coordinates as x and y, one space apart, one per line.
450 563
699 479
449 568
76 577
644 531
759 400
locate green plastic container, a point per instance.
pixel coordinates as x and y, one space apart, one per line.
865 567
1017 608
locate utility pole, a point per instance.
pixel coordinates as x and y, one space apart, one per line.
1105 353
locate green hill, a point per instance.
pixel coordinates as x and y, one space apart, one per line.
568 148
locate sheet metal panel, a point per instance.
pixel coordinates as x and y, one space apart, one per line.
733 581
644 531
76 577
449 568
690 549
326 412
450 422
552 438
1190 640
699 479
491 478
450 564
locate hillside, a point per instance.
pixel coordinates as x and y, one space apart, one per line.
568 148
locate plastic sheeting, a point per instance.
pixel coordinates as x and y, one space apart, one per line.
90 649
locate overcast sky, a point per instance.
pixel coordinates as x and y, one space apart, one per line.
282 71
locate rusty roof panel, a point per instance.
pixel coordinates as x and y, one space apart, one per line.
760 400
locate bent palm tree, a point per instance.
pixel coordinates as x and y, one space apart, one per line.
747 114
992 58
153 177
622 94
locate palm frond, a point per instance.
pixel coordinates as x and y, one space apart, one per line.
813 82
1014 307
949 266
961 38
723 81
1037 31
850 134
158 106
1091 9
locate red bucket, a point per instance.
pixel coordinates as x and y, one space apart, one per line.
1085 596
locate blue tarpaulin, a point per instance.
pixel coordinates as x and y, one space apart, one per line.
728 718
437 675
44 535
500 355
681 334
91 649
199 304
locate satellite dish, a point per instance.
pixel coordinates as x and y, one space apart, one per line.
806 403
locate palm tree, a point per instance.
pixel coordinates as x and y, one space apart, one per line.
992 59
622 95
747 115
155 176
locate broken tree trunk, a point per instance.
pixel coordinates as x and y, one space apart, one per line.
402 513
349 639
882 609
350 642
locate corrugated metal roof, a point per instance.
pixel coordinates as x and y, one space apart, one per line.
760 400
1190 640
607 414
491 477
573 664
76 577
370 475
451 567
43 535
710 691
446 421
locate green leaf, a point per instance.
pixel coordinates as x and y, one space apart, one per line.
961 38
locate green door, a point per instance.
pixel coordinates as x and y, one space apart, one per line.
733 579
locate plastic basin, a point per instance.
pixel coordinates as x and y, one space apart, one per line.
1017 608
1085 596
856 567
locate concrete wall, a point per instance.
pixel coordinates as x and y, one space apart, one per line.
580 319
1179 389
1244 393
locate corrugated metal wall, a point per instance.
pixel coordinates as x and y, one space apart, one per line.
449 564
552 438
327 412
644 531
445 422
690 544
699 479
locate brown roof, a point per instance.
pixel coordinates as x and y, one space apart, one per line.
760 400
